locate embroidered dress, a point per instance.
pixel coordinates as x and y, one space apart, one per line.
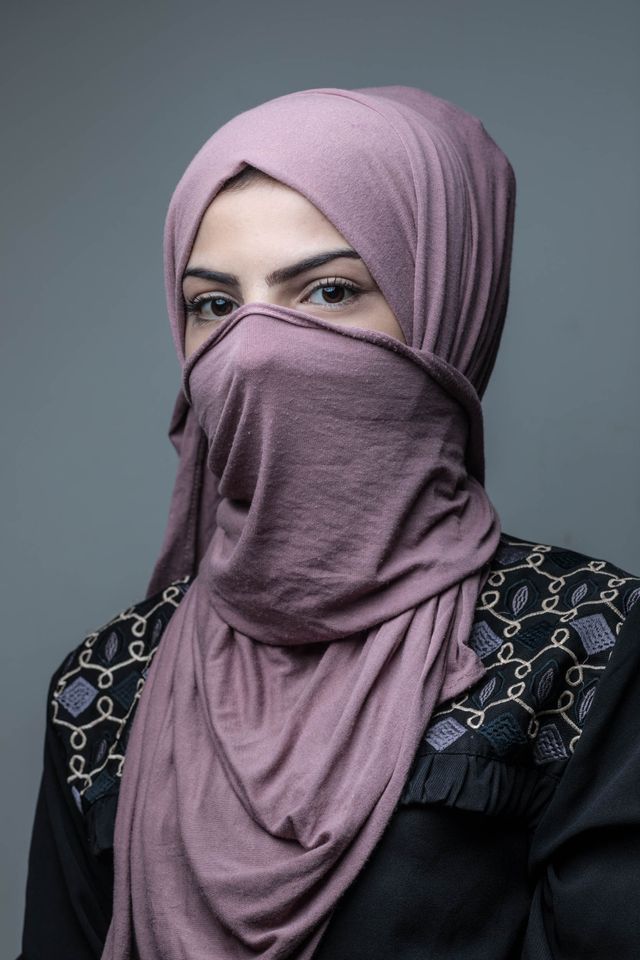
517 834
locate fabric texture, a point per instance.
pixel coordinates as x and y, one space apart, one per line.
351 533
475 861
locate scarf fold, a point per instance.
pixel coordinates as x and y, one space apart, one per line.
330 497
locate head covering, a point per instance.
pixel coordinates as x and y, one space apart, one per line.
330 500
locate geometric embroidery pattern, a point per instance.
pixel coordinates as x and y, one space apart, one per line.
93 717
594 633
125 691
484 640
503 732
531 636
77 696
545 624
548 745
444 733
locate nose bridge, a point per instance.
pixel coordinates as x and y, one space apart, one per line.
259 310
258 292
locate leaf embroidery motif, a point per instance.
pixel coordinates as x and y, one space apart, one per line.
111 646
585 704
579 594
486 691
632 599
157 630
101 751
545 684
520 599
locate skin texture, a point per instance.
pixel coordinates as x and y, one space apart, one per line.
263 227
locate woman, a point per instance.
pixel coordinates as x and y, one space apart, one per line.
352 718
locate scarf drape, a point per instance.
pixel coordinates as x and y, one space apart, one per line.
330 498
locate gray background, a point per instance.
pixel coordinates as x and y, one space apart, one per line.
104 104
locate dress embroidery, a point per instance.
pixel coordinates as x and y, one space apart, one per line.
97 689
545 625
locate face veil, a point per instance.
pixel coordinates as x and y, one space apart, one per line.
330 502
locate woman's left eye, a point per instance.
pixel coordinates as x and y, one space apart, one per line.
336 288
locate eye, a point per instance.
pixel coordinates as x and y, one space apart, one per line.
336 288
207 307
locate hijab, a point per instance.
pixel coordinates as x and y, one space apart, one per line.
330 502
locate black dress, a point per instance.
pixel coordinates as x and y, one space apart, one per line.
517 835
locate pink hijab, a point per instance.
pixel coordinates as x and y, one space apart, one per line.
330 503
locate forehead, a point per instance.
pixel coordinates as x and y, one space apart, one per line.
261 210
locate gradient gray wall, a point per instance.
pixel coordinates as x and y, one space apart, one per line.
104 105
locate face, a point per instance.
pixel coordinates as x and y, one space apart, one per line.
252 244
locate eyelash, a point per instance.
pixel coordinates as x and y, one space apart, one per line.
192 306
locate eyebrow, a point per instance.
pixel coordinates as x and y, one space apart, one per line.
277 276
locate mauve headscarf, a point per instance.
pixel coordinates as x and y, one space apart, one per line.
330 497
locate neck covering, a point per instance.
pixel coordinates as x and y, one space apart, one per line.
330 500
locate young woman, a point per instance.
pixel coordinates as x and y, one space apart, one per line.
352 718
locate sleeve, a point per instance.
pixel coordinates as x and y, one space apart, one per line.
585 851
69 891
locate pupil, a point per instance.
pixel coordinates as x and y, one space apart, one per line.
333 287
225 303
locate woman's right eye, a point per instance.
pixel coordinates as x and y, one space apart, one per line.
207 307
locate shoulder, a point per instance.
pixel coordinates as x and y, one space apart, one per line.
537 593
546 623
94 691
